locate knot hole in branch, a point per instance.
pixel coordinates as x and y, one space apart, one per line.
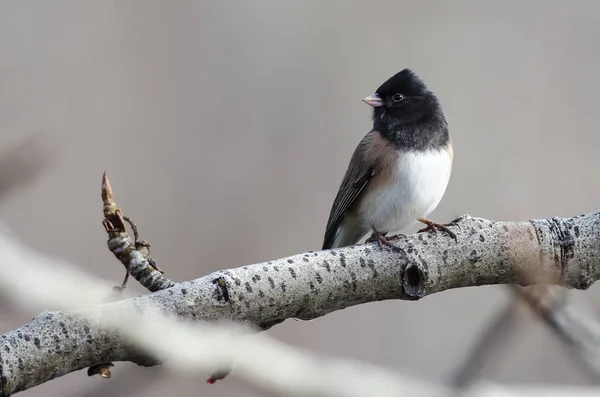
413 281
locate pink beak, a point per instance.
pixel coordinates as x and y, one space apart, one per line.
373 100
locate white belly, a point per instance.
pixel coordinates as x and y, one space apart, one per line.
418 184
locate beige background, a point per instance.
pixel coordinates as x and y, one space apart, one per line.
226 128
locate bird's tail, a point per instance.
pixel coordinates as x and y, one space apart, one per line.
344 237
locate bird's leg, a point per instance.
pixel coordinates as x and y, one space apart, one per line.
379 237
431 225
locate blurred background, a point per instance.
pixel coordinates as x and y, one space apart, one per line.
226 128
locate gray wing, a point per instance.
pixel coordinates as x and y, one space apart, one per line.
360 171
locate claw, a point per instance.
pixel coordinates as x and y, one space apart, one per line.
380 238
437 226
395 236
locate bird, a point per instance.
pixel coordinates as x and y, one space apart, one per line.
399 171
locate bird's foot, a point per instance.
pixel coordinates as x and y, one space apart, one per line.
431 225
380 238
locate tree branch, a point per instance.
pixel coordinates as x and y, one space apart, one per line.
561 251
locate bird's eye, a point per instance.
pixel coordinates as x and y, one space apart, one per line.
397 97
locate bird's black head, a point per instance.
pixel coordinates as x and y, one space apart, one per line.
405 111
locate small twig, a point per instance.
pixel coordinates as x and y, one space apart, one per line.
124 283
116 295
134 254
134 228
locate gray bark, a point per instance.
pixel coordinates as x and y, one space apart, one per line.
560 251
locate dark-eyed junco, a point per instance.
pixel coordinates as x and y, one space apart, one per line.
399 171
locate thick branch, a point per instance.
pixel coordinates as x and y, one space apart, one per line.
559 251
